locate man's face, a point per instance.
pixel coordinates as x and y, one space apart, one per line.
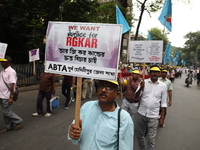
107 92
4 63
154 75
163 74
135 76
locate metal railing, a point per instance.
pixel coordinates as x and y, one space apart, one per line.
25 75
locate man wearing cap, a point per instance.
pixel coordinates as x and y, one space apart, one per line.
168 83
98 127
129 69
130 103
8 78
153 97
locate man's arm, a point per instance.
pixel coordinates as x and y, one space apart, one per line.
162 118
163 107
54 84
170 97
10 100
139 90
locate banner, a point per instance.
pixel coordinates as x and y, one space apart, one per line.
34 55
3 47
83 49
146 51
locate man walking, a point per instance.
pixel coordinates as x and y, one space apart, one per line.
8 78
153 97
102 125
168 83
130 103
46 89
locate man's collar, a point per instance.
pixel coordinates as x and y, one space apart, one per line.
152 82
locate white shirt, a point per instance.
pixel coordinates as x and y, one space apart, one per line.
153 97
9 76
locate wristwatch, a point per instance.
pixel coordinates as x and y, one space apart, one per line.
11 96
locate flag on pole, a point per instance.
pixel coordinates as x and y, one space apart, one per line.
167 54
165 17
121 20
182 61
149 36
178 54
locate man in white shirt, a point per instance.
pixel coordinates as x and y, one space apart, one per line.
8 79
153 97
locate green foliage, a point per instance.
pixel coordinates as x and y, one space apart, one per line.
157 34
24 22
191 48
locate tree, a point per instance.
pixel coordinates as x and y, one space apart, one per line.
191 45
24 22
149 6
157 35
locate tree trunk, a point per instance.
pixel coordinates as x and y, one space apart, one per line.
140 19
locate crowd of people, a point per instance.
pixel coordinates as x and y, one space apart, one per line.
103 124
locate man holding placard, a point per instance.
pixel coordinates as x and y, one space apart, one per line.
46 90
99 127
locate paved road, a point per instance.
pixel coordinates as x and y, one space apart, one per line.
181 131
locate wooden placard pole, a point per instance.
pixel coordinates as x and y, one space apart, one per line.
34 67
143 72
78 100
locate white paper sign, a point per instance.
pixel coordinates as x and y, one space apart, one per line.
83 49
34 55
146 51
3 47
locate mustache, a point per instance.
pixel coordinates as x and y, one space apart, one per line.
103 94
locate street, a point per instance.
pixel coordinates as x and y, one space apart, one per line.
181 131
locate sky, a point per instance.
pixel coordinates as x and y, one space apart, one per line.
185 19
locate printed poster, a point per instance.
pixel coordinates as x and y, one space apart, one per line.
34 55
146 51
87 50
3 47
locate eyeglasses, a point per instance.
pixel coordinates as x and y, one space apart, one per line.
109 89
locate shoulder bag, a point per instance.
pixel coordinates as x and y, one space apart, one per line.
16 90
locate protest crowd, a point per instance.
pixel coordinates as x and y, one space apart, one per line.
134 81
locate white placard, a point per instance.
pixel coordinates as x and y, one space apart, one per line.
34 55
146 51
3 47
83 49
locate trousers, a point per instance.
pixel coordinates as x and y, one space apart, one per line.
131 108
66 88
150 125
88 84
40 98
10 118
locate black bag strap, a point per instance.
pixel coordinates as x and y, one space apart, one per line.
5 83
119 110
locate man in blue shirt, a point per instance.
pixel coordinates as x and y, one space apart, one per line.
98 129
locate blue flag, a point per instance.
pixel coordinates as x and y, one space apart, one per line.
121 20
178 54
167 58
182 61
166 15
149 36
